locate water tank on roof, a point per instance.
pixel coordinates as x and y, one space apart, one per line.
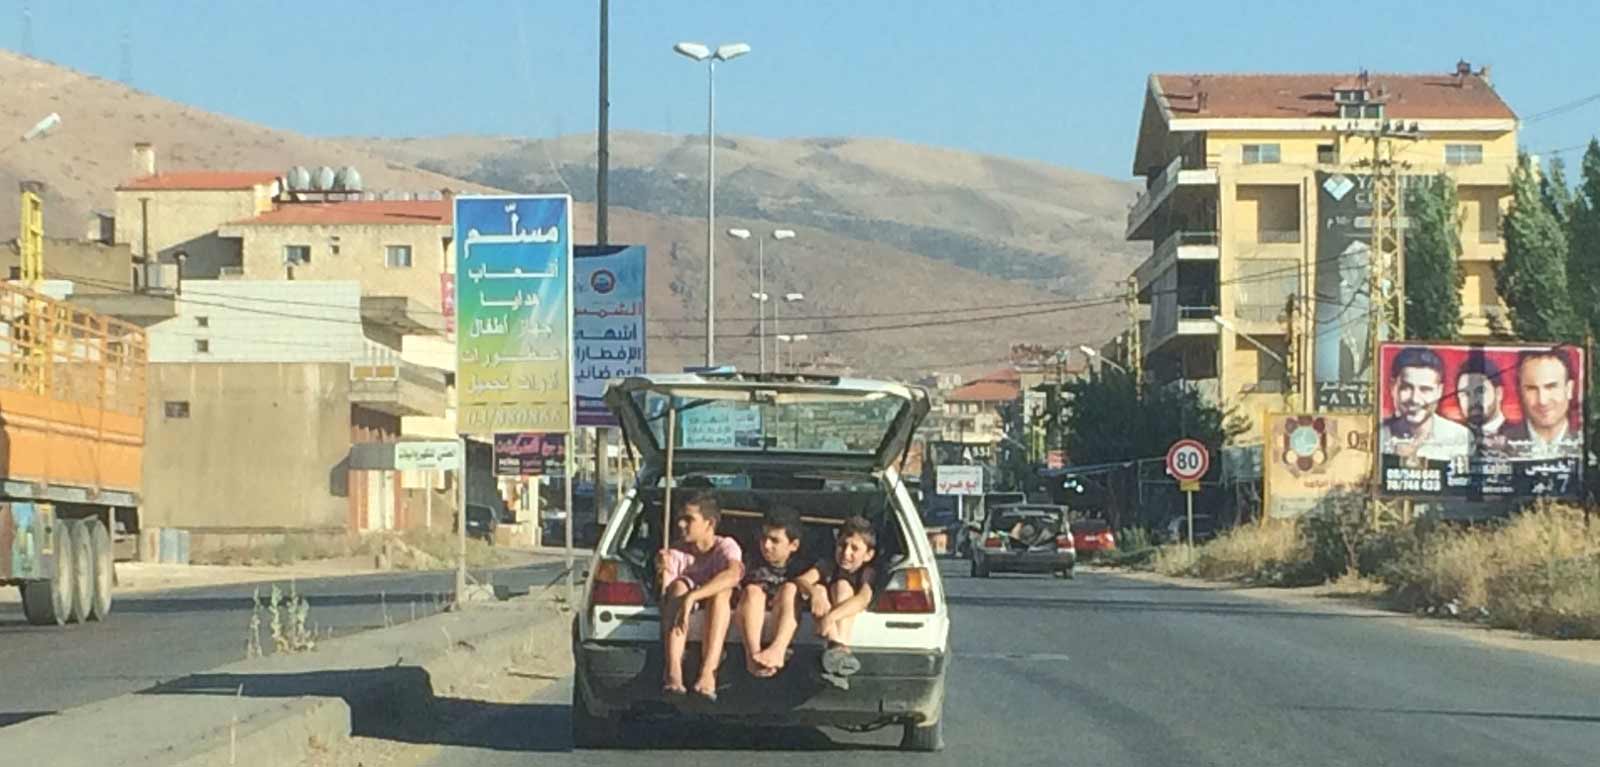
299 179
323 180
348 179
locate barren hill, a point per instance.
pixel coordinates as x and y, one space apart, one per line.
910 258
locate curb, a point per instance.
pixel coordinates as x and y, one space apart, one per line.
289 708
308 725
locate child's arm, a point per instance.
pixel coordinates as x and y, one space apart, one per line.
857 602
727 580
810 582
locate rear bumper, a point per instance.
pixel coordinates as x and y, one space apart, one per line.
1028 561
624 680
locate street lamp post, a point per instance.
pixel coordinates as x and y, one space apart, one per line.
760 295
701 52
791 340
1094 353
777 327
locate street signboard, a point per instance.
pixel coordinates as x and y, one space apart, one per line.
514 313
608 294
530 455
440 455
958 480
1188 459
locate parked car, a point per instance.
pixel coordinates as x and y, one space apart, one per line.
482 521
901 641
1026 538
1092 537
1177 529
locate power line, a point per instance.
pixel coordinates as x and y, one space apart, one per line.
1562 109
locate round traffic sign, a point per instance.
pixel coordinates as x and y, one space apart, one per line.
1188 459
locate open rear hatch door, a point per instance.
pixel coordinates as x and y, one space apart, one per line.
742 418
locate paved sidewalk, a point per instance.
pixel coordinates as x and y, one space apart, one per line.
278 709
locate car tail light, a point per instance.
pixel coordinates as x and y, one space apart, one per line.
993 541
908 591
1063 543
615 585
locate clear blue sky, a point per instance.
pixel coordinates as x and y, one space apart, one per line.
1058 81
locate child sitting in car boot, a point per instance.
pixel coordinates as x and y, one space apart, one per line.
770 586
839 590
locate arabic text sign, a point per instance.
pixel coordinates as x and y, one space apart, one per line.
1312 461
719 425
530 455
958 480
423 456
608 288
1477 421
513 313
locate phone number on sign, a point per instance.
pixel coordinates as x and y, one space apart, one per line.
1413 480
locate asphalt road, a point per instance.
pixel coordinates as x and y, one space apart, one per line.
1112 671
154 637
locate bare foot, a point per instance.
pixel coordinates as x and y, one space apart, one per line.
772 660
706 688
673 687
755 667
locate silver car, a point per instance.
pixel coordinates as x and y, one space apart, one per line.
1024 538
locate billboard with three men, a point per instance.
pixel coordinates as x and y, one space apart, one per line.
1476 421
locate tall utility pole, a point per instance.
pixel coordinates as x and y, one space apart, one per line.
604 154
1135 348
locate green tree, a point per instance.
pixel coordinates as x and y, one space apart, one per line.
1583 239
1555 193
1533 277
1109 420
1433 259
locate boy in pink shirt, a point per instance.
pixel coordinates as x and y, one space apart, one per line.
703 568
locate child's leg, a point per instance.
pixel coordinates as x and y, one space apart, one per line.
752 613
841 591
672 638
719 615
787 623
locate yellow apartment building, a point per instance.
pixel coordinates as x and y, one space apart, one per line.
1252 200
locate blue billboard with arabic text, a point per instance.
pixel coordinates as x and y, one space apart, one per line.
608 288
513 314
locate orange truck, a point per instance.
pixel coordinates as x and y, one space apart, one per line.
72 402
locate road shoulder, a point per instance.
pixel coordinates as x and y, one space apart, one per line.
1327 599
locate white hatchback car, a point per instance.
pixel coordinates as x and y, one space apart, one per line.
827 447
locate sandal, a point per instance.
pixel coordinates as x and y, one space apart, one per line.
839 661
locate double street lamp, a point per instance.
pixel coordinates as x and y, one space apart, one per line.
701 52
760 295
791 340
788 298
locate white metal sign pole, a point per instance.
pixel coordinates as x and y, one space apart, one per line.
1190 496
461 527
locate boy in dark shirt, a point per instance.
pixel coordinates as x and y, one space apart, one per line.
770 585
840 589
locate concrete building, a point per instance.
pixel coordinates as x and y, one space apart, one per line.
1233 167
258 392
162 216
974 414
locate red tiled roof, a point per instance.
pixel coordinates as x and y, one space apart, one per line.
986 391
1408 97
421 212
202 180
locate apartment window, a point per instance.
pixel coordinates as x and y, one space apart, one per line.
1463 154
1361 111
1260 154
202 346
202 321
333 245
176 408
1488 219
397 256
1327 154
297 254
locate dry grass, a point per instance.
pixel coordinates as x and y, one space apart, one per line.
1538 571
409 550
1266 554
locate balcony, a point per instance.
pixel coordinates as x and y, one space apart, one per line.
1159 190
401 315
1181 245
396 387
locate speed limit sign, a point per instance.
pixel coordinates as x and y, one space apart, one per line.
1188 460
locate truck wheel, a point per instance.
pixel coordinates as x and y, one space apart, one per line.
925 739
49 602
82 570
104 572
